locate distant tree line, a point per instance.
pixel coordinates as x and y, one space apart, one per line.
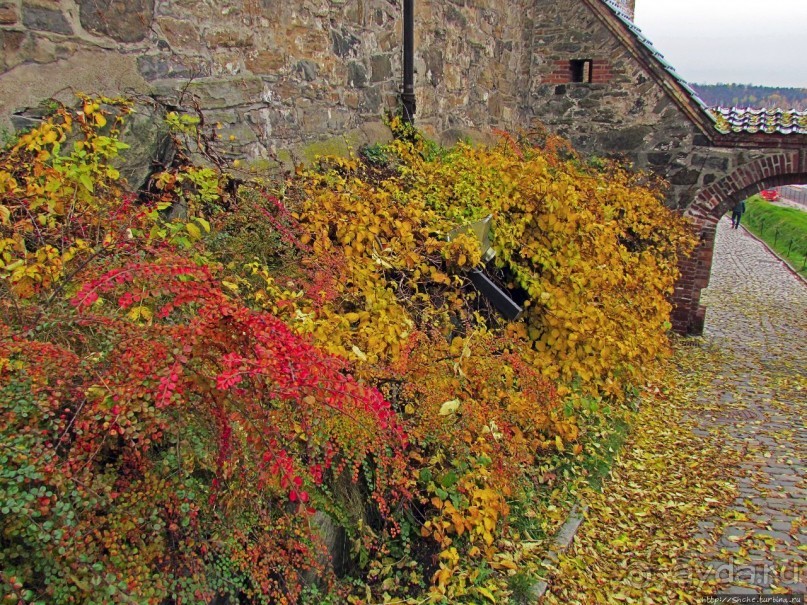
748 95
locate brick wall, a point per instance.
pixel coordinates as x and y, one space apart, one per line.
598 71
601 71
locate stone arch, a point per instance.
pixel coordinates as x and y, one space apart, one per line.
772 170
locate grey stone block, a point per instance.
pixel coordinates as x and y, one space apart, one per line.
45 19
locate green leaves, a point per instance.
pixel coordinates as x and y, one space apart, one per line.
86 180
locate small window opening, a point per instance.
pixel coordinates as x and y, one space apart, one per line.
580 70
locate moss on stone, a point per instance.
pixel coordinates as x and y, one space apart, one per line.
340 146
261 165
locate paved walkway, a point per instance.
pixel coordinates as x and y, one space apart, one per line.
757 319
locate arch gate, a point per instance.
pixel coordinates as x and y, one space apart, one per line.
787 167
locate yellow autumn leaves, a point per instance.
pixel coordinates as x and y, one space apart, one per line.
376 278
640 541
595 250
57 188
591 253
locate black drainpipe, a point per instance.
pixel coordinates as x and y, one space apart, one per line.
408 94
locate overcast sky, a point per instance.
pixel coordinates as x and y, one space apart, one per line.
732 41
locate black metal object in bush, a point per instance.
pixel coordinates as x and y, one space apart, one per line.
498 298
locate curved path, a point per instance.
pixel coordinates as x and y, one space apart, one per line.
757 319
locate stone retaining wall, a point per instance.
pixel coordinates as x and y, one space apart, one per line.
283 76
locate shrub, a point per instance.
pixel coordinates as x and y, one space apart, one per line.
181 396
161 439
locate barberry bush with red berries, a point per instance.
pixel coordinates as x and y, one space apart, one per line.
161 439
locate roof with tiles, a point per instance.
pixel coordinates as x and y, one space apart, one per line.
726 120
770 121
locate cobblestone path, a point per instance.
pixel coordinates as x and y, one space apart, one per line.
757 319
708 494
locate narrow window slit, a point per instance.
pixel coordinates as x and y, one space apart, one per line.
580 70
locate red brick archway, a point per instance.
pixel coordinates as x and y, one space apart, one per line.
784 168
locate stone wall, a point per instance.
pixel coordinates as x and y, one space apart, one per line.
288 80
622 111
274 73
278 75
281 75
472 64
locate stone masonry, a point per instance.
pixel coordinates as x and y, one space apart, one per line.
288 80
282 74
277 75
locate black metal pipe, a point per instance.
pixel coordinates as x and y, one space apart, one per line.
408 94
